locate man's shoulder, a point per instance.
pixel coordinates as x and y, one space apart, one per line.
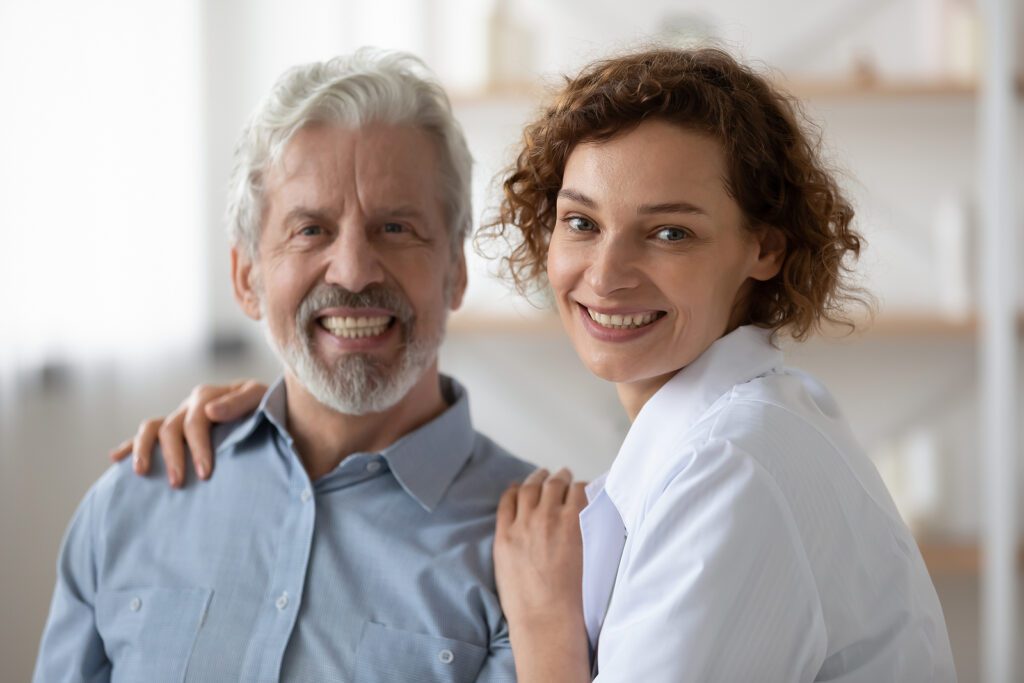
493 461
486 474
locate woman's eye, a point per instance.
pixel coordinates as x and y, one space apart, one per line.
672 234
579 224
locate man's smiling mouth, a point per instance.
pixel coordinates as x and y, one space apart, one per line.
355 327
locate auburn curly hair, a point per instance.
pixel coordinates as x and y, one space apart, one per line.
775 173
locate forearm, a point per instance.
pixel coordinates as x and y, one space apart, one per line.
551 652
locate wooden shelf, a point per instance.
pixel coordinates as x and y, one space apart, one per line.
851 88
956 558
869 88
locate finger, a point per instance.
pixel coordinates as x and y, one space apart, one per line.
196 429
242 399
172 445
122 451
529 491
142 445
576 498
554 488
536 477
506 509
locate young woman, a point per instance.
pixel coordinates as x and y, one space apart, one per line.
682 217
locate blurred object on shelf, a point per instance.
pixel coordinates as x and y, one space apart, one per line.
961 34
948 39
686 29
954 253
458 44
511 49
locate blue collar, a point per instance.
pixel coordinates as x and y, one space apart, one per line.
424 462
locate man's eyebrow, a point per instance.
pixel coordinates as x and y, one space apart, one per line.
305 212
671 207
577 196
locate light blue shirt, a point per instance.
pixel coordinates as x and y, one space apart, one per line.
378 571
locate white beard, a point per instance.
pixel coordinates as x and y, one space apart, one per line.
358 383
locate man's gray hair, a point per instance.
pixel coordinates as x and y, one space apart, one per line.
368 86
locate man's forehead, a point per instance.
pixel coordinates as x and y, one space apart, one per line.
380 161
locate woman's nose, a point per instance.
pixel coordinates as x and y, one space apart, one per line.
354 260
613 267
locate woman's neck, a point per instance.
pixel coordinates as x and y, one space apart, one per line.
634 395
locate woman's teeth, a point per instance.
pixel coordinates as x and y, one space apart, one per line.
623 322
353 328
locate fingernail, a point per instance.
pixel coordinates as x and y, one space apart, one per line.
201 470
175 478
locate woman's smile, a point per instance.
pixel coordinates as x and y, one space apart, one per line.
618 325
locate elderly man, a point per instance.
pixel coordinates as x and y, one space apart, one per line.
351 540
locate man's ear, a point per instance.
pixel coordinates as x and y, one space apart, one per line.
460 277
244 284
771 244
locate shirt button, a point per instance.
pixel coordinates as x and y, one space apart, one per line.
135 605
446 656
372 466
282 601
306 495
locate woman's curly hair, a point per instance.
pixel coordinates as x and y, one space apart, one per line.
775 173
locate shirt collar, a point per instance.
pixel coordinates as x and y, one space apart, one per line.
272 409
740 356
424 462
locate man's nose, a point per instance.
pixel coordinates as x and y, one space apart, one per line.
613 266
354 260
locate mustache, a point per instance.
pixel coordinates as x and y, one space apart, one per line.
373 296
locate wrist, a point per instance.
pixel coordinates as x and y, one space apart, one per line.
551 649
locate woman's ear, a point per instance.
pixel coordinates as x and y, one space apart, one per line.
244 283
771 252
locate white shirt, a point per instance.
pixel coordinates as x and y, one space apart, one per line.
753 539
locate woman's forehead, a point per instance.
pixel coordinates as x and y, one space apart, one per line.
655 163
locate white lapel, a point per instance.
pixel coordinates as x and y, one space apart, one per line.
603 539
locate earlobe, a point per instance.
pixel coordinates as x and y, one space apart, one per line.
771 252
243 283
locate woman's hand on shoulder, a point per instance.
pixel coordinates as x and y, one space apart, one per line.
538 566
189 426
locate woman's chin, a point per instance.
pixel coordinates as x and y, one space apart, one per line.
613 371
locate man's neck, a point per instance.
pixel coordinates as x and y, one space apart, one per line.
324 437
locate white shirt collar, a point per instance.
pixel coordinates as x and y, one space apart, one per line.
740 356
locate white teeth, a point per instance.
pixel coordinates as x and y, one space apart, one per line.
621 322
356 327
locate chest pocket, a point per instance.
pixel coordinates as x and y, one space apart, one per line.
149 633
388 655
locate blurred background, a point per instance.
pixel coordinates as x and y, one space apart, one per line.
116 134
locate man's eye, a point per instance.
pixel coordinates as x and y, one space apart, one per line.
394 228
311 231
579 224
672 234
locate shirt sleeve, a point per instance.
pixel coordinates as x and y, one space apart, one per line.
715 585
71 648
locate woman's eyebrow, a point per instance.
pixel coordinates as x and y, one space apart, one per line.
577 196
671 207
